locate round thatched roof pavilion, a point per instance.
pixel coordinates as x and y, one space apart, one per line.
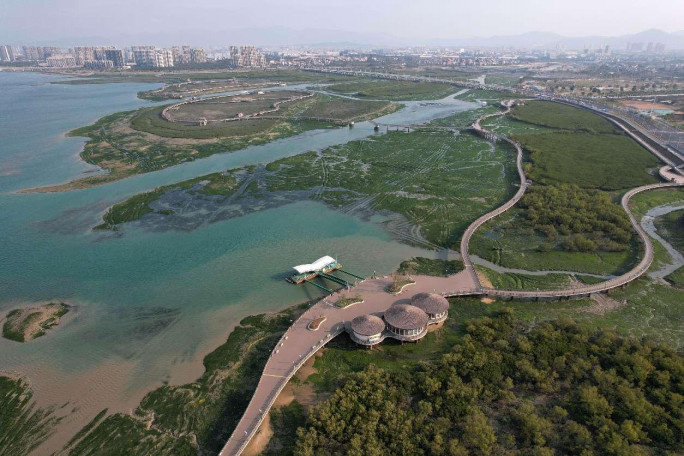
367 329
434 305
406 322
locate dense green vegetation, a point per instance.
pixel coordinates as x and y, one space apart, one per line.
195 418
394 90
510 241
435 180
502 390
23 426
430 266
586 221
570 221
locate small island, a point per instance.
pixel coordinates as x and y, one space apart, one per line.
23 325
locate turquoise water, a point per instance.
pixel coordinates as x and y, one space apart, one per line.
155 299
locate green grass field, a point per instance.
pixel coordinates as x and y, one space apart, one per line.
512 281
394 90
555 115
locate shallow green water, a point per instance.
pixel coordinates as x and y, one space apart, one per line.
154 298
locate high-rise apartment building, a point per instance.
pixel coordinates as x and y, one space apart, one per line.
61 61
148 56
116 56
39 53
198 55
85 54
248 56
6 53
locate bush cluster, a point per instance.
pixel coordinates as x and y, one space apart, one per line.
555 389
586 220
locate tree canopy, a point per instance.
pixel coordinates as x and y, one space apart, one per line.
555 389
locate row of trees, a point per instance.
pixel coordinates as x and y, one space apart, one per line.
557 389
577 219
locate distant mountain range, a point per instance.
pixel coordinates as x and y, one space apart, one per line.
274 36
550 40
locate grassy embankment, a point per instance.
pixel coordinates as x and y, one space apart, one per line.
22 325
289 76
135 142
437 181
570 219
211 82
394 90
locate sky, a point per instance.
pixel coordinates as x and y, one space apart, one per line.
407 20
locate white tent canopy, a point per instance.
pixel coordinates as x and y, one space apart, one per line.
315 266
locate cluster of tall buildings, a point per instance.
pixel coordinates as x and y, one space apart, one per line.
186 55
104 57
99 57
247 56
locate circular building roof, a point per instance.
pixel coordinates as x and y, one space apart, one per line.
367 325
404 316
430 303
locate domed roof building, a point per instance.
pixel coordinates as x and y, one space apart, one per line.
406 322
434 305
367 329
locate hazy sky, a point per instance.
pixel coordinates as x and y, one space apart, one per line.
41 20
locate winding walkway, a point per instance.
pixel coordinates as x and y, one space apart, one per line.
299 343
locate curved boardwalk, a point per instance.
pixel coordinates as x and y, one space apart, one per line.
615 282
299 343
